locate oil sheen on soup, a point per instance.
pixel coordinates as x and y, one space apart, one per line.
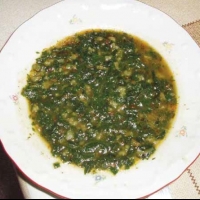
101 99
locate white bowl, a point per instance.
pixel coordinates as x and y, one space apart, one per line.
28 151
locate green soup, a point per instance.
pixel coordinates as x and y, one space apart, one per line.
101 99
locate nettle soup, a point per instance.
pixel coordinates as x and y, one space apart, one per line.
101 99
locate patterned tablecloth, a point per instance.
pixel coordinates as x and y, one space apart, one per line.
185 12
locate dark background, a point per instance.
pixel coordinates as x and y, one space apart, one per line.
9 185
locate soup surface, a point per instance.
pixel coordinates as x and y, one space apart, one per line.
102 99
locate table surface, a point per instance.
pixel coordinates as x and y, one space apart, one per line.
14 13
8 179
